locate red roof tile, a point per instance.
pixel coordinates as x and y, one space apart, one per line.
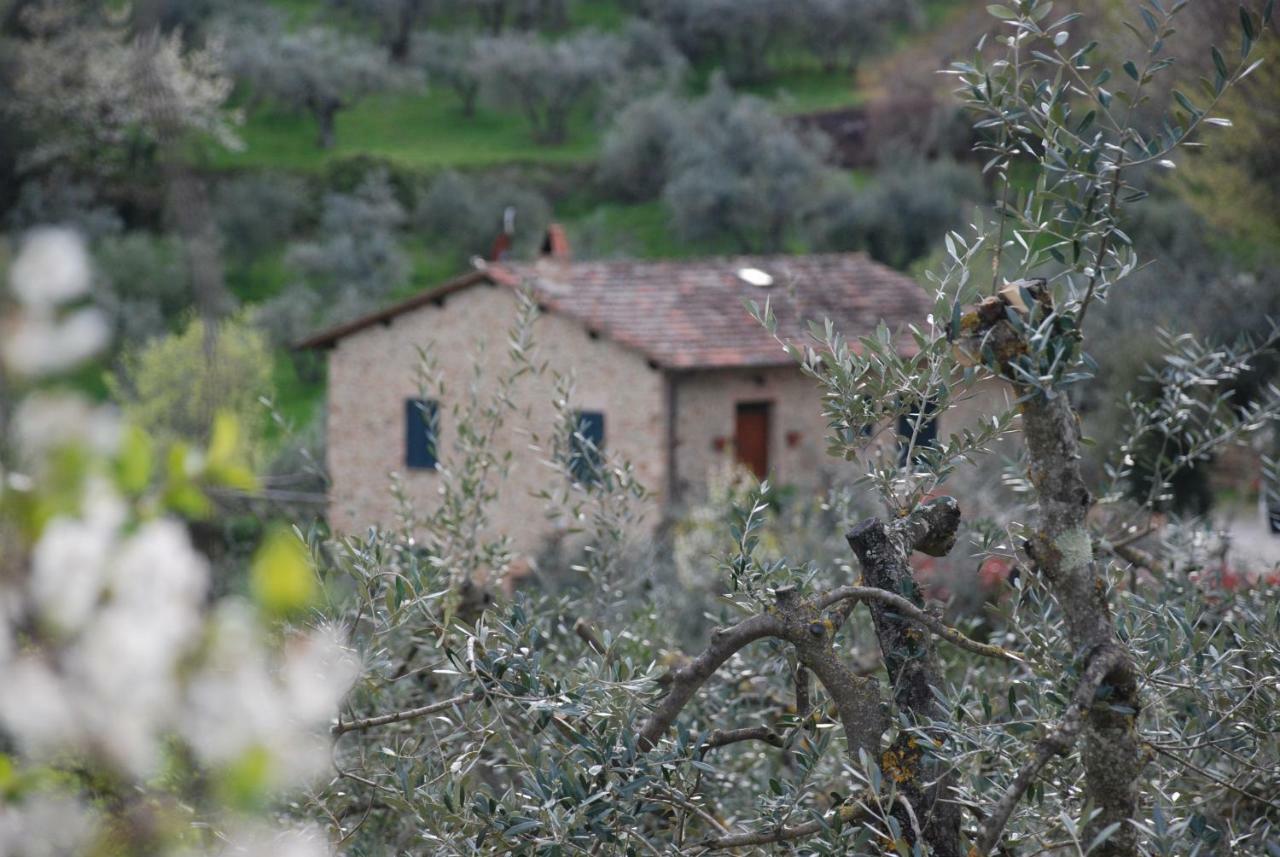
691 313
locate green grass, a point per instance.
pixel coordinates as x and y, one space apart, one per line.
804 90
296 400
261 279
414 130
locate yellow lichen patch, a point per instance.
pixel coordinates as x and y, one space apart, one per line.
899 763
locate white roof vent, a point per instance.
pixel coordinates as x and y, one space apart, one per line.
755 277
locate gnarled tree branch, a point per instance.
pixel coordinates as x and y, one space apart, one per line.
685 680
884 551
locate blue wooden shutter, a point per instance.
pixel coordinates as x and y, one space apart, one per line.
585 447
421 425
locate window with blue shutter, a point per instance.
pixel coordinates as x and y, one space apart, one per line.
421 426
925 436
586 446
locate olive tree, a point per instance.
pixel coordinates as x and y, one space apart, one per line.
1106 713
547 81
728 168
315 70
449 59
352 262
396 20
841 32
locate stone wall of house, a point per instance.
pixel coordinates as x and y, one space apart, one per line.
706 413
706 408
372 373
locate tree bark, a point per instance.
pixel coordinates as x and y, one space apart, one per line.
325 116
1062 549
884 551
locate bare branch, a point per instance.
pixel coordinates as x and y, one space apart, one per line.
685 681
724 737
915 614
341 728
842 815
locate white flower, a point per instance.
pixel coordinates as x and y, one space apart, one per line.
45 421
240 701
40 344
261 841
68 571
45 825
35 707
158 569
318 671
52 268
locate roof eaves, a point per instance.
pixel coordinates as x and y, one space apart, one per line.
329 337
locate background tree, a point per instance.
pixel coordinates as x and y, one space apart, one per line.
175 386
898 216
743 35
354 261
841 32
547 81
449 59
396 20
314 69
97 94
466 214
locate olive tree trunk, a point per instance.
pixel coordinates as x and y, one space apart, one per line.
1062 550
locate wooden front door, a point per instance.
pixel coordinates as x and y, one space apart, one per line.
751 437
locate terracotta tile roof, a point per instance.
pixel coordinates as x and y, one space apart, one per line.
690 313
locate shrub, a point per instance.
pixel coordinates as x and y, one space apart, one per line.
898 216
258 212
354 262
464 214
149 287
174 387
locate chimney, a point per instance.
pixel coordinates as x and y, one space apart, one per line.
502 244
555 244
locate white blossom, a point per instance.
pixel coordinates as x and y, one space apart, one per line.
35 707
68 571
45 825
51 269
261 841
40 344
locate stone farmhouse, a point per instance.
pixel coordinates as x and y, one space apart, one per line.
672 372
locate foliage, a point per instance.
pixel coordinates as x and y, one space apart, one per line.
314 70
451 60
898 215
1242 168
547 81
175 386
258 212
465 215
98 94
396 20
639 147
748 36
60 199
149 289
727 168
355 261
738 170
